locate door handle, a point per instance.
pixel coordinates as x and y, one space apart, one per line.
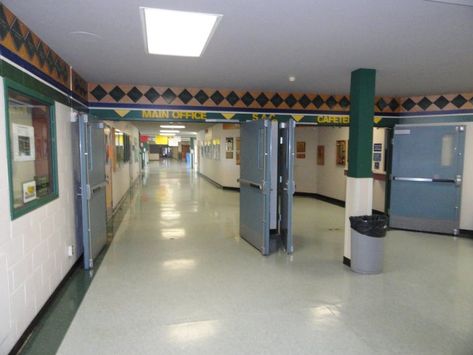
251 183
97 187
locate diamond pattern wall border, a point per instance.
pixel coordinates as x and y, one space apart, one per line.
164 96
106 93
18 38
436 103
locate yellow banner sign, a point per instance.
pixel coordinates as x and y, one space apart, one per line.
345 119
178 115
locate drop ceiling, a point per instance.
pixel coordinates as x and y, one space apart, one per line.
417 46
153 128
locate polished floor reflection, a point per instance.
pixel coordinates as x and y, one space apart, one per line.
178 279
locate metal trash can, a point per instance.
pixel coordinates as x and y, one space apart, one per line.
367 243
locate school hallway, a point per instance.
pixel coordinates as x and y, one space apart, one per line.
177 278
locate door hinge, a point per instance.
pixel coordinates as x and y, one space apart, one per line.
458 180
91 263
88 192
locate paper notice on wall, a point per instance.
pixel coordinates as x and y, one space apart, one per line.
23 142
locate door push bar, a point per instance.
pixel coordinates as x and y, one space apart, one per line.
457 181
251 183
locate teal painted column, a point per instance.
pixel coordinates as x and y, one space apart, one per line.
361 123
359 189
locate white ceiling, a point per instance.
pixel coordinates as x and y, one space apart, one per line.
417 46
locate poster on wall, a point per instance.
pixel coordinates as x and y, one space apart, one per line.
229 148
320 155
300 150
23 142
341 156
29 191
229 144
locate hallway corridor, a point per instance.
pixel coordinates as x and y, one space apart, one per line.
178 279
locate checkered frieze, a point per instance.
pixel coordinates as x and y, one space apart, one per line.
435 103
18 38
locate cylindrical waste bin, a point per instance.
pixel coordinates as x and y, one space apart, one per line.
367 243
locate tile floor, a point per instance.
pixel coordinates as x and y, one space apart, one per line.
178 279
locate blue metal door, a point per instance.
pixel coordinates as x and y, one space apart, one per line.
427 170
92 188
255 183
286 182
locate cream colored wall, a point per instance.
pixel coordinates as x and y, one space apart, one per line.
305 170
33 248
224 171
379 186
329 179
125 173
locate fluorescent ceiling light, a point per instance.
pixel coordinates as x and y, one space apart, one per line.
168 131
172 126
168 134
454 2
178 33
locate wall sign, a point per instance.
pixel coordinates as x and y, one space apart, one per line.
341 156
29 191
23 142
300 150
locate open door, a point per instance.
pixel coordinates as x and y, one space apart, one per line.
108 170
92 187
427 169
286 182
255 183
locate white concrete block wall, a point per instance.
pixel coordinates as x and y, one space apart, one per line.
33 248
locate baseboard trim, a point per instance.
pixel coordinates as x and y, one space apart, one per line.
346 261
215 183
468 233
327 199
231 188
331 200
124 197
29 330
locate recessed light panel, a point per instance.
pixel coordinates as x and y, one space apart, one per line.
173 126
178 33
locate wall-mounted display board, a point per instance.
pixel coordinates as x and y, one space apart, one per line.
378 156
320 155
300 150
30 136
341 154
